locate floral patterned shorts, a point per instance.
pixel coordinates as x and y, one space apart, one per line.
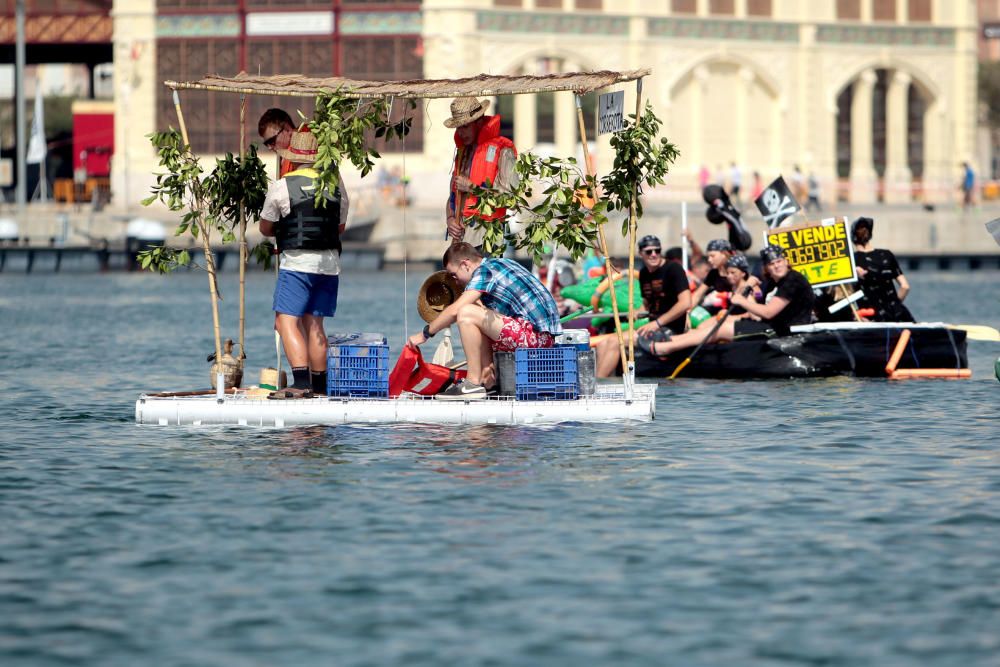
517 333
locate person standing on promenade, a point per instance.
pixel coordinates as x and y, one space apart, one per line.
968 184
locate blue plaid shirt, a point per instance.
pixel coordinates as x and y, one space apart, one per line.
511 290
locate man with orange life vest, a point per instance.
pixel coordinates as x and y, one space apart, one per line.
482 158
308 237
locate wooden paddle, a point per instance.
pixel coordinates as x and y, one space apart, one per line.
722 318
978 332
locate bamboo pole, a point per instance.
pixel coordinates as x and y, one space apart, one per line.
601 238
633 228
205 241
243 235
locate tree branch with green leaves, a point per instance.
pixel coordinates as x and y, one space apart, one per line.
559 215
344 128
210 203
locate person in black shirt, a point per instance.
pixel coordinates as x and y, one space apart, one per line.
878 273
738 275
719 251
665 294
791 304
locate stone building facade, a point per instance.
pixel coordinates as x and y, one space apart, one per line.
877 98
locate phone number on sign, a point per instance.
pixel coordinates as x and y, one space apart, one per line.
820 252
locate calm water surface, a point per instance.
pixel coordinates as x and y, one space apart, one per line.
820 522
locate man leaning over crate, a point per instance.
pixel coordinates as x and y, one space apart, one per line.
503 307
308 237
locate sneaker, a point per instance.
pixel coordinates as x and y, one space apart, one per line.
463 391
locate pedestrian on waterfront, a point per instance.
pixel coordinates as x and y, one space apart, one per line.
735 181
308 238
758 187
502 308
665 294
791 305
276 129
704 177
878 273
482 158
968 184
813 200
798 184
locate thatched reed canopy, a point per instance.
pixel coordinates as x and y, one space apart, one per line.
296 85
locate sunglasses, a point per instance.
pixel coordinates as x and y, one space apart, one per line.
270 142
651 251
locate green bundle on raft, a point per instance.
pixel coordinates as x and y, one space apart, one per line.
582 293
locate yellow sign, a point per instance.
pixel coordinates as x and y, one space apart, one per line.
822 253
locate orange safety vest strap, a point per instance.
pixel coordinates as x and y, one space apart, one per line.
485 166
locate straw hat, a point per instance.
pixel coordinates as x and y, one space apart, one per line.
438 292
464 110
302 149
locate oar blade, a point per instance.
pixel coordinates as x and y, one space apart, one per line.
978 332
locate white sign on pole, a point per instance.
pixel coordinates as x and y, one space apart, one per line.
611 112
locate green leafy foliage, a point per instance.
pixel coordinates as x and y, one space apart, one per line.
209 203
560 215
550 194
162 259
263 253
344 127
234 182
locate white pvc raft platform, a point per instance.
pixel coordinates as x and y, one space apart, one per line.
606 405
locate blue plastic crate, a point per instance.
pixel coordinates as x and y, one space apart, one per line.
357 370
547 392
550 365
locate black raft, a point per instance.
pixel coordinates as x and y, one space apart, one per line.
817 350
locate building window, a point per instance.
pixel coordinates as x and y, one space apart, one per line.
380 58
920 11
884 10
212 119
507 3
548 4
849 10
758 7
593 5
724 7
684 6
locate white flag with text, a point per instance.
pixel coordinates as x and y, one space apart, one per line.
36 146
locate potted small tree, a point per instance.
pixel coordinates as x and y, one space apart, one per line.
220 202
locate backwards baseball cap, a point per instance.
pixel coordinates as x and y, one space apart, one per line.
648 241
719 245
739 261
771 252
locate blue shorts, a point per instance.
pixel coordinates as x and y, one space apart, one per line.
301 294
